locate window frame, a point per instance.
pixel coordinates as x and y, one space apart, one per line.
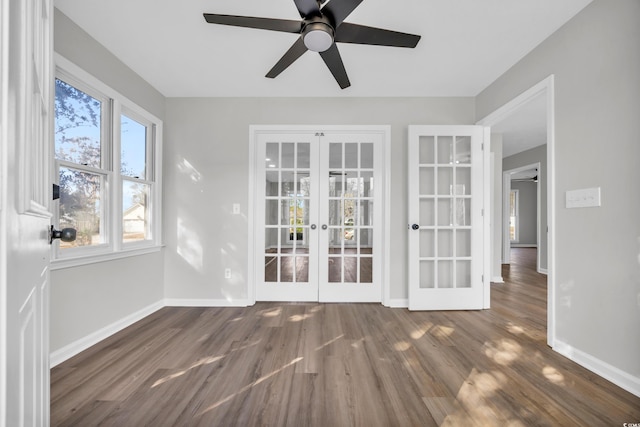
114 106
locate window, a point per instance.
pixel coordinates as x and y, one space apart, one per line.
513 215
107 164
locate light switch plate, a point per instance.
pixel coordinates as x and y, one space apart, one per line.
584 198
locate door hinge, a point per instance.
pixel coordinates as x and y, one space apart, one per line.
482 146
482 212
319 133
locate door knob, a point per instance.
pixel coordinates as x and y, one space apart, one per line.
324 226
415 226
313 226
66 234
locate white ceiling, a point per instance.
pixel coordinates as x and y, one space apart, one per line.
525 128
465 45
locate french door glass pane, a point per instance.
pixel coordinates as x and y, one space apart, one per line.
427 150
427 181
427 273
427 243
288 155
351 155
366 155
272 159
463 150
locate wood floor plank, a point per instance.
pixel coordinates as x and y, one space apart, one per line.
285 364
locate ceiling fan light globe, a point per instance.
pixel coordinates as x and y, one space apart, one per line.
317 36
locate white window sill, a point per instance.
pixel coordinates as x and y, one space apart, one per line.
62 263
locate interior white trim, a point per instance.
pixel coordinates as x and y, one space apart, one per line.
93 338
617 376
547 88
192 302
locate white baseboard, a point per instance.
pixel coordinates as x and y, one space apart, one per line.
397 303
498 279
617 376
524 245
543 271
70 350
179 302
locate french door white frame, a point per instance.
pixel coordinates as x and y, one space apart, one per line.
382 228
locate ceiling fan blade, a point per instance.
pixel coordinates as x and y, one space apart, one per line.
283 25
333 60
338 10
308 8
288 58
360 34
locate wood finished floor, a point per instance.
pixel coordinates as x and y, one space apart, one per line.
340 365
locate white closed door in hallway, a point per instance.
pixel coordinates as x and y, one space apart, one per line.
317 219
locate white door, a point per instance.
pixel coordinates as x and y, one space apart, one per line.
315 216
25 128
446 222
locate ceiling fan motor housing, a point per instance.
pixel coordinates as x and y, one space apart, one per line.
317 34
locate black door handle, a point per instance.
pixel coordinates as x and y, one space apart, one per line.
415 227
66 234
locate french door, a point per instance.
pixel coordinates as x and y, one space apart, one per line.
316 210
447 226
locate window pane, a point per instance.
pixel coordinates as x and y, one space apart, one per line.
77 125
133 140
135 214
81 206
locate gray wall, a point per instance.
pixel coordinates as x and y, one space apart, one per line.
527 212
88 298
206 171
596 62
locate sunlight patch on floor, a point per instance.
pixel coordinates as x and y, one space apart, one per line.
553 375
423 329
402 346
503 352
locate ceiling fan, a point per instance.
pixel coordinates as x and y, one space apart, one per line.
321 27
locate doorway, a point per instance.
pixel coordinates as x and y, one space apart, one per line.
318 225
544 93
516 209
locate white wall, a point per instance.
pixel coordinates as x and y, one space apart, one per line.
87 299
206 171
595 58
